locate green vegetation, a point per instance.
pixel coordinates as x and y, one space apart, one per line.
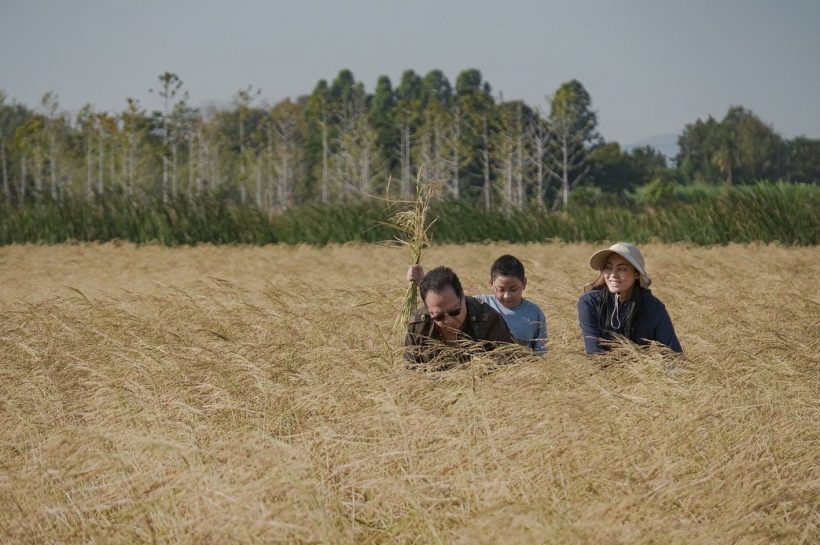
341 143
766 212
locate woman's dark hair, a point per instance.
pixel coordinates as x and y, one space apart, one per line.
507 265
439 279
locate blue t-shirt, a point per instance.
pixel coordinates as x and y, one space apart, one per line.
527 322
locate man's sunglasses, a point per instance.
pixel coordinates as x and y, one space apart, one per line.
451 313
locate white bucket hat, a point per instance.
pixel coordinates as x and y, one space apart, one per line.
629 252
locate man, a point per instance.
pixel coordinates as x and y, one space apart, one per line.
449 318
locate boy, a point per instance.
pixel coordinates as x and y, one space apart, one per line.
526 320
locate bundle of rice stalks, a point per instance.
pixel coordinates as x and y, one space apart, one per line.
414 234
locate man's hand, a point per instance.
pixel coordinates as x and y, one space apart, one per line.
415 273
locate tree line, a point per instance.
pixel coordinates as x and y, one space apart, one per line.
342 144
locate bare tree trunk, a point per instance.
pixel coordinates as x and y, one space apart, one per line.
191 165
101 166
271 167
521 197
485 159
284 182
6 189
508 179
203 155
112 167
405 160
456 174
164 177
89 162
456 154
23 184
325 182
565 176
129 177
425 146
174 169
165 149
365 190
539 168
258 183
37 173
53 166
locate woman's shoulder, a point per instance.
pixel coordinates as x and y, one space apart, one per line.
650 301
591 296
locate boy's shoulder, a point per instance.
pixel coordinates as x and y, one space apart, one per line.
485 298
528 307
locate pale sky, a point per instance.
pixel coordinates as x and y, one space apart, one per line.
650 66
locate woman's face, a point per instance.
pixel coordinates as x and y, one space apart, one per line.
620 275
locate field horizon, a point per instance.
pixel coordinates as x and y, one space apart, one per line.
256 394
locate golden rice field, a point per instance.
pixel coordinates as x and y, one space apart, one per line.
217 395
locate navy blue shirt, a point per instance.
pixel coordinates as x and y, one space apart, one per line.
652 322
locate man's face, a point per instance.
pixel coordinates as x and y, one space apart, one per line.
446 308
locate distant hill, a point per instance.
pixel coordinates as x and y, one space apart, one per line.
664 143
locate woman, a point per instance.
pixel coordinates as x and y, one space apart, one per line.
619 303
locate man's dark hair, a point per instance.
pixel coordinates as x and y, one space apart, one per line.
507 265
439 279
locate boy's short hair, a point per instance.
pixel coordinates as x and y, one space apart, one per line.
438 279
507 265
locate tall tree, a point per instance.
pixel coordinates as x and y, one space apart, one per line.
12 116
436 88
55 126
408 113
505 140
574 127
739 148
184 122
539 135
243 101
381 115
697 145
802 162
3 163
170 85
284 150
317 148
135 126
476 107
755 149
87 121
352 140
106 131
30 143
611 169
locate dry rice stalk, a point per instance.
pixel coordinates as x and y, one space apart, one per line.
130 421
413 229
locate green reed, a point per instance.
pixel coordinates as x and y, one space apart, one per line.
767 212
